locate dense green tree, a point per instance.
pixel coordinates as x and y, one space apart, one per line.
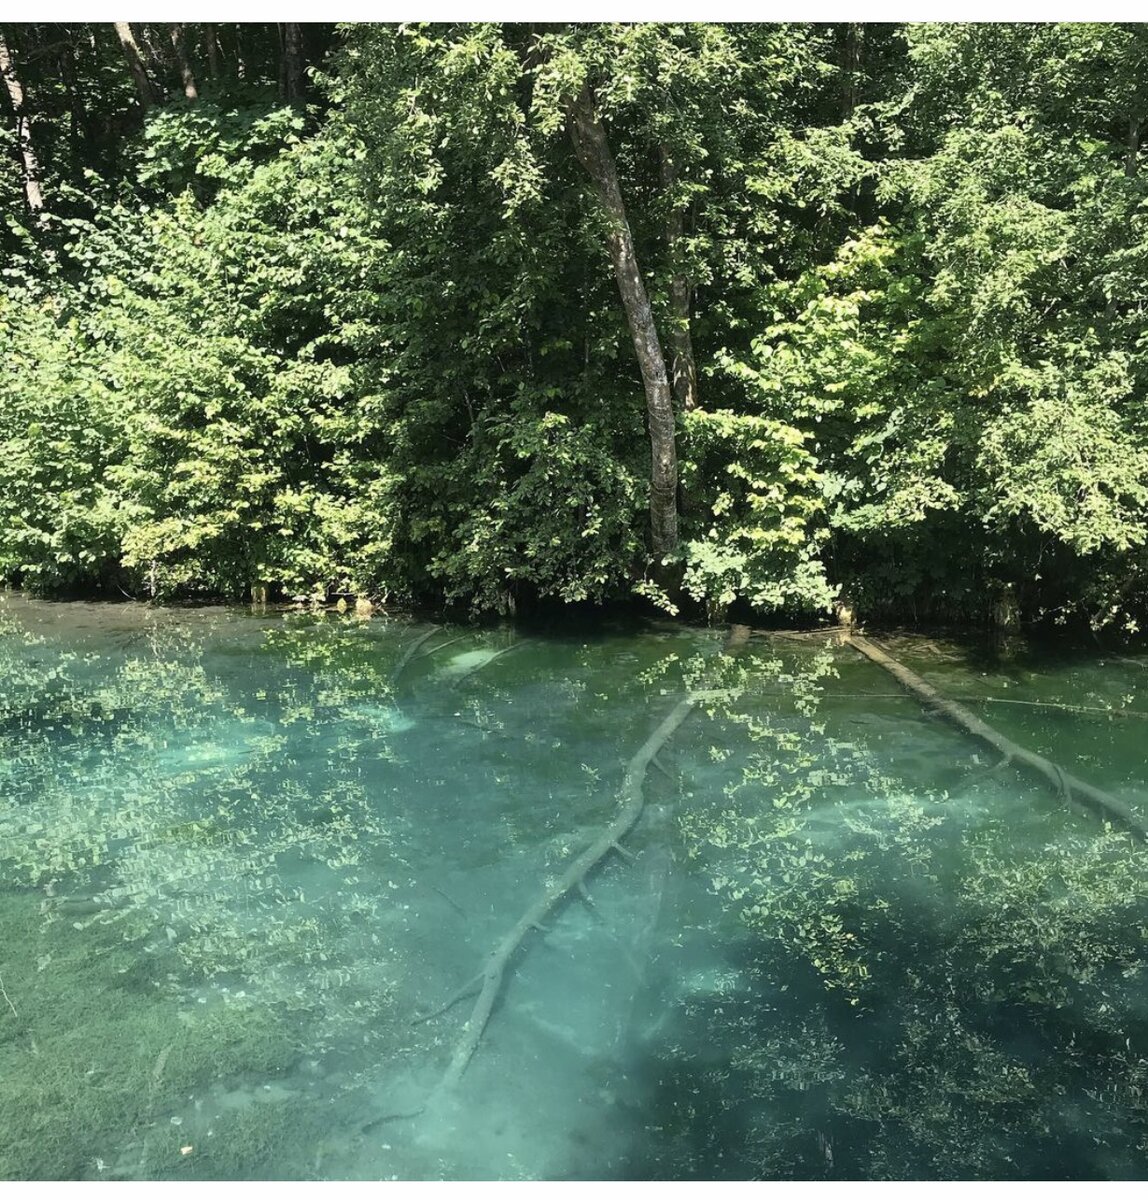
472 141
491 314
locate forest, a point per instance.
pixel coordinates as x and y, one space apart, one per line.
750 320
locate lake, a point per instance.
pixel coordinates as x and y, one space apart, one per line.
245 857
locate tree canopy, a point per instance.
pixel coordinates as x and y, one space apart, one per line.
757 317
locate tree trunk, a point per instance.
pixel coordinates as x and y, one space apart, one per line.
144 86
685 371
185 74
850 68
1132 153
81 130
30 166
156 55
293 59
593 152
212 51
240 60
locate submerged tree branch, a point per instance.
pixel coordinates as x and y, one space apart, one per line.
1064 783
410 652
492 974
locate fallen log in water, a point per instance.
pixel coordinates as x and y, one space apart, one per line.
1067 785
443 645
410 652
799 635
488 982
487 661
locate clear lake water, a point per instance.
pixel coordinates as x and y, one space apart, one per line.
243 854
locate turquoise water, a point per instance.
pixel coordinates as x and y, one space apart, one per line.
242 854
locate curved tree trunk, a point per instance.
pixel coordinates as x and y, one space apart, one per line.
593 152
30 165
684 368
144 87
